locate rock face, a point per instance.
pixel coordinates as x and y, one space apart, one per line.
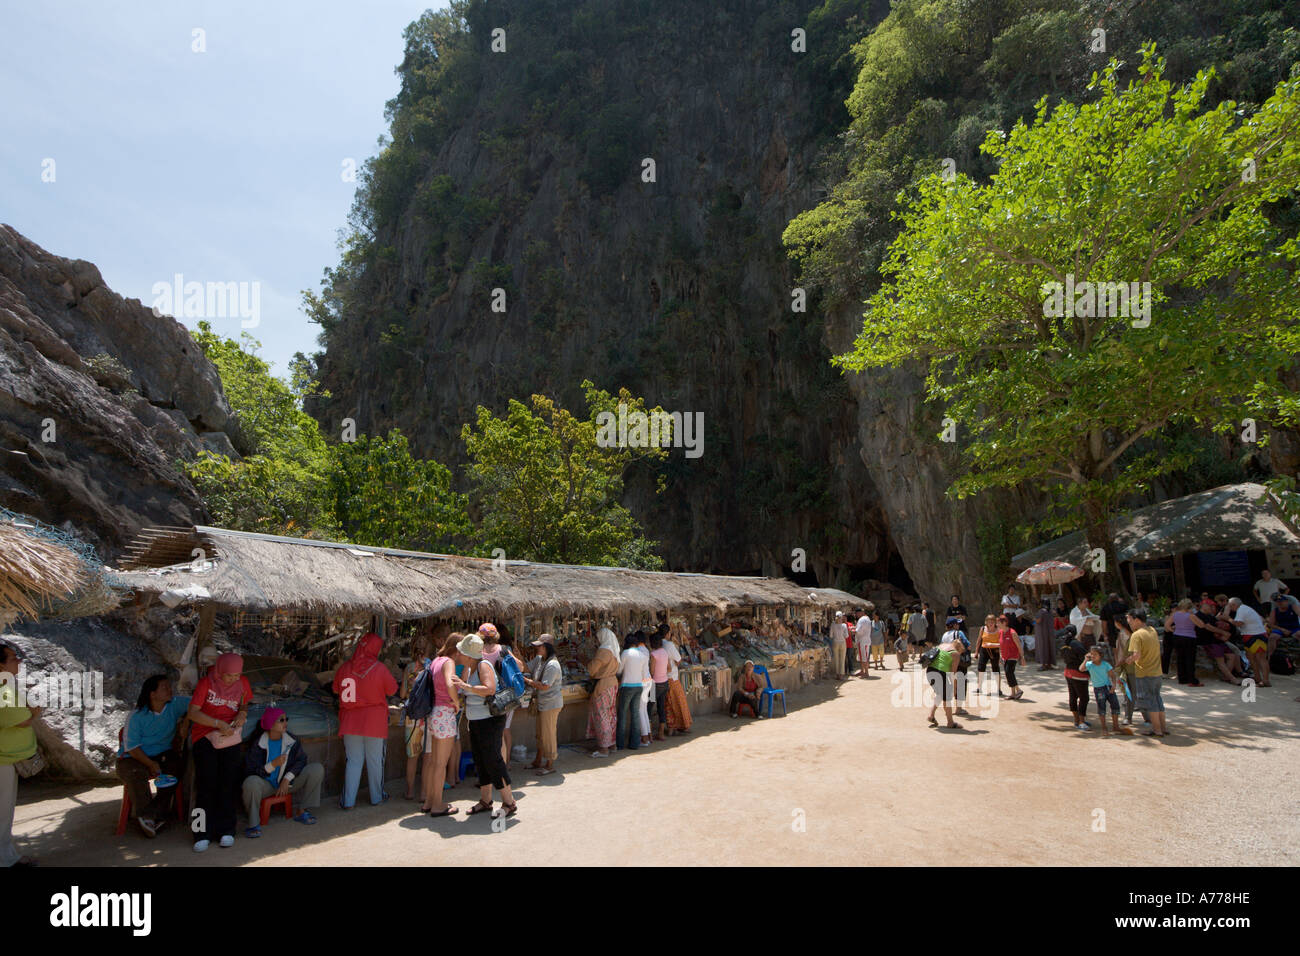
99 398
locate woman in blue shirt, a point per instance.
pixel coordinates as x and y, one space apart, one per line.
151 746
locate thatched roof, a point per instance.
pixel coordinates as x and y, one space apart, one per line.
1228 518
833 597
254 572
34 572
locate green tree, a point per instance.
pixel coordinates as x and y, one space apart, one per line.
1144 185
548 487
384 497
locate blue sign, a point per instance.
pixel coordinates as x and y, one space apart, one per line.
1223 567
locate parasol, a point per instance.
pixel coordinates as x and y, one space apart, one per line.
1050 572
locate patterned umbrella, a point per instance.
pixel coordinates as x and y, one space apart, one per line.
1049 572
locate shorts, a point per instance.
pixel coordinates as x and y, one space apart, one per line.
1255 644
940 682
443 722
1216 649
1103 696
1146 693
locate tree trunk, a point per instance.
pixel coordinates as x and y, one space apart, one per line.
1100 535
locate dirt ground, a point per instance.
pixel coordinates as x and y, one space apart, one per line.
852 776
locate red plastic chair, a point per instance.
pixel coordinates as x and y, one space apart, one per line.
124 814
745 705
286 801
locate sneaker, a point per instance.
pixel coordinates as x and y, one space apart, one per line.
200 845
1083 725
148 826
228 840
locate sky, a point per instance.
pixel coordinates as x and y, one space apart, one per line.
205 139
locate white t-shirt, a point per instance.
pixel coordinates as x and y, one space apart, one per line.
635 666
864 630
1010 603
1249 621
839 632
1264 590
674 656
1078 617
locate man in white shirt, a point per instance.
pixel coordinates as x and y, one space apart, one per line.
1254 637
862 637
1265 588
634 668
1085 622
839 644
1011 608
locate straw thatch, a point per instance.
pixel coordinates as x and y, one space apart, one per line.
35 573
833 597
1228 518
266 573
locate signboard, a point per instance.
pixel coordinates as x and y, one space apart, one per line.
1283 562
1226 568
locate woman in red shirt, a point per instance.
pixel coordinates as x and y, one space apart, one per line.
1011 650
218 710
364 685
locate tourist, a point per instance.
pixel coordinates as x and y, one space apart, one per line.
747 690
1266 589
660 664
1011 607
1011 651
1282 622
276 764
1103 690
1139 604
1213 635
17 743
1062 618
876 646
850 645
1181 622
417 736
955 635
1254 638
990 647
1125 670
679 710
916 630
634 669
444 731
647 692
1087 625
1045 636
1144 649
1112 614
863 637
929 622
958 610
939 670
603 700
1073 654
485 730
218 711
547 683
895 635
151 748
494 645
839 645
364 684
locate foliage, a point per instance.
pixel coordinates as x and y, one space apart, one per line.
546 488
1144 185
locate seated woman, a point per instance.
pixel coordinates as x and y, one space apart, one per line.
152 747
276 764
1213 635
747 690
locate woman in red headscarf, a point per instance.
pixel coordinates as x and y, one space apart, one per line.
364 685
218 710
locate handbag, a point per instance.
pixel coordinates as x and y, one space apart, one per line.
221 741
31 766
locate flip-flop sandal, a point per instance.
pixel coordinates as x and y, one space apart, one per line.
544 773
253 832
953 726
480 807
306 817
445 813
1150 733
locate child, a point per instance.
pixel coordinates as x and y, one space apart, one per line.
900 650
1102 675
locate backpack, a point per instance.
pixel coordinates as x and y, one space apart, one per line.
419 703
928 657
1279 663
510 685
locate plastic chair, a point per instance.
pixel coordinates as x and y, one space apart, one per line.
124 815
745 705
466 763
286 801
770 693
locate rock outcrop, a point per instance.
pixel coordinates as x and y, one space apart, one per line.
99 400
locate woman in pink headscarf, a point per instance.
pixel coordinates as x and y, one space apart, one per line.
364 685
218 710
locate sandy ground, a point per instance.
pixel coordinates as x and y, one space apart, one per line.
852 776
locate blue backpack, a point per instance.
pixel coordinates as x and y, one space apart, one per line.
419 703
508 673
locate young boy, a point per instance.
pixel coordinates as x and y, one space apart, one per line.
1102 676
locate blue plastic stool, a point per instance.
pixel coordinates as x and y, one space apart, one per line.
466 763
770 693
